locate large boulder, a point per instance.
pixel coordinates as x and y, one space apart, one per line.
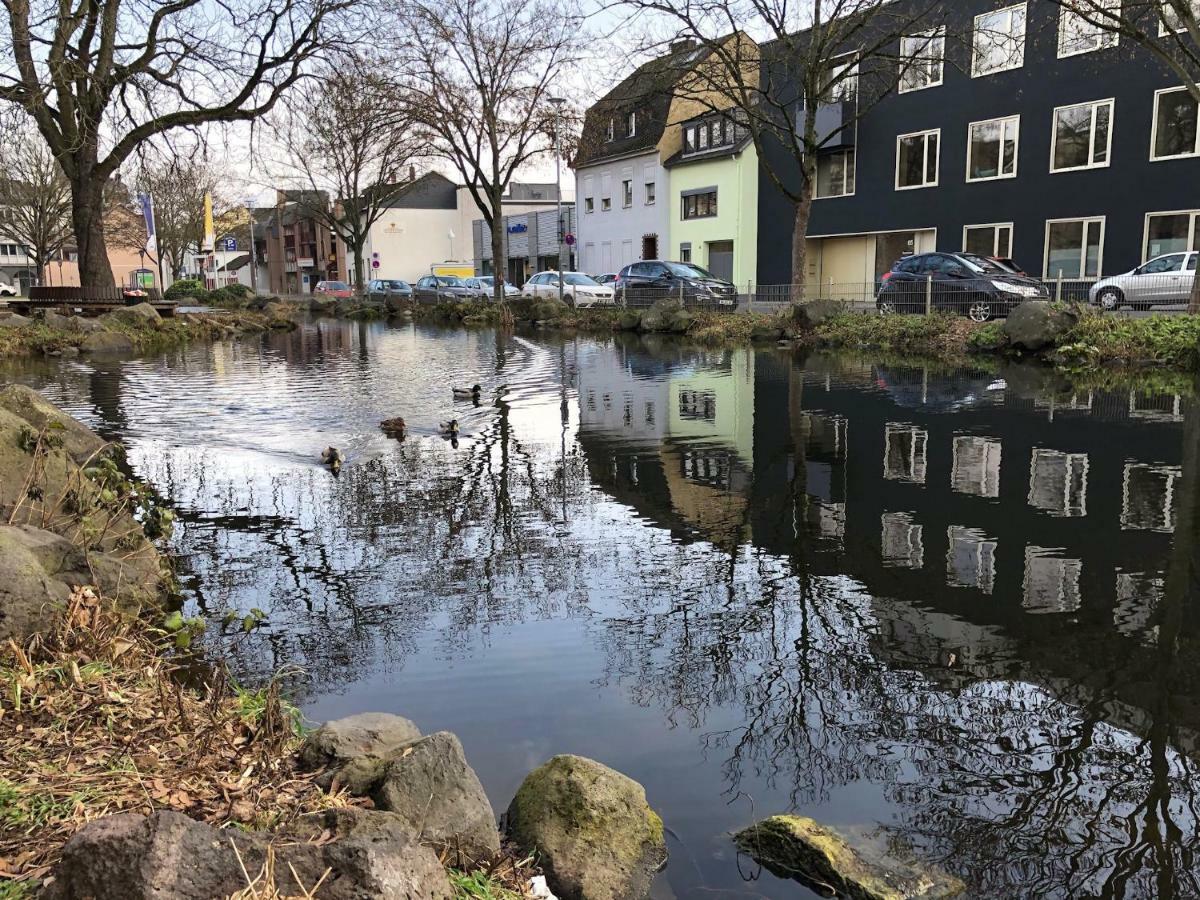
667 315
167 856
763 332
366 734
595 835
80 442
861 866
12 320
141 315
72 323
628 320
1037 324
430 786
107 342
322 303
813 313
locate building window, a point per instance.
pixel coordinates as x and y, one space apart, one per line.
700 204
922 58
702 137
989 240
685 253
589 204
605 204
917 159
999 41
841 82
1171 22
1175 232
1082 136
1077 35
904 452
992 149
627 193
976 466
630 124
650 188
1074 248
1175 132
612 130
835 174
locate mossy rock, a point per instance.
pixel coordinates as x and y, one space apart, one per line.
595 835
548 310
628 320
856 866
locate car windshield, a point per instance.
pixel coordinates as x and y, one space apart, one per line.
486 281
336 285
982 264
579 278
687 270
449 281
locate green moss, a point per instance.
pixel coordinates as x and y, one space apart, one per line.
17 890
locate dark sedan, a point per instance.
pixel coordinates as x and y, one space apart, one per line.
652 279
964 283
442 289
384 289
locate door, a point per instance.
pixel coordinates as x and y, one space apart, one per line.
720 259
1158 281
847 265
650 246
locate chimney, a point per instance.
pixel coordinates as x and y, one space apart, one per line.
682 44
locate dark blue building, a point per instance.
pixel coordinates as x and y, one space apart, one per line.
1036 138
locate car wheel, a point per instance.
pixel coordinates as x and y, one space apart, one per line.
979 311
1110 298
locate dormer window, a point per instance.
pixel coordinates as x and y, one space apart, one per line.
716 131
630 124
612 127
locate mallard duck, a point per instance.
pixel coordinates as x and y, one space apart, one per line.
394 427
466 393
333 458
450 429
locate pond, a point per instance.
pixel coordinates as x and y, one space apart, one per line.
958 605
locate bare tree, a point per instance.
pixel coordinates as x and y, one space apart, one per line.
35 198
102 77
346 134
177 184
481 74
821 67
1168 31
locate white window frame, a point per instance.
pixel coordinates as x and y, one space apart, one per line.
937 164
816 186
923 40
995 226
631 124
1106 39
589 204
975 55
1016 146
1193 228
605 204
1083 276
626 193
1154 128
1164 30
612 129
650 193
1095 105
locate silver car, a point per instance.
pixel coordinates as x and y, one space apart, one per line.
486 285
1165 279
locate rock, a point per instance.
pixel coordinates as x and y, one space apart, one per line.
107 342
72 323
859 866
629 320
1037 324
80 442
596 836
167 856
429 784
813 313
366 734
142 314
548 310
764 332
277 310
667 315
12 320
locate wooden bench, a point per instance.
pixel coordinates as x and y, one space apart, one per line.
82 301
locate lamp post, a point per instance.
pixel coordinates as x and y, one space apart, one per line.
557 103
253 259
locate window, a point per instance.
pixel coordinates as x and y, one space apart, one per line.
841 81
922 57
685 253
904 456
589 205
1077 35
992 149
1074 248
1082 136
989 240
630 124
1171 22
700 204
605 204
999 41
1171 233
1175 134
611 133
702 137
627 193
917 159
835 174
650 188
1058 482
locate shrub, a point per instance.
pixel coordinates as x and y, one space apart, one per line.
186 289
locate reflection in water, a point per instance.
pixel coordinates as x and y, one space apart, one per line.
689 563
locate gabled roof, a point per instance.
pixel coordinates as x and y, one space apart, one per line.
648 93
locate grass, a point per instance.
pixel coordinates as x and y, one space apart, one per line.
940 334
1097 339
480 886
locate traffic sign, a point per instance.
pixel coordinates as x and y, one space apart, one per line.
230 243
570 239
374 264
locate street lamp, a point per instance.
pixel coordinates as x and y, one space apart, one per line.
249 203
557 103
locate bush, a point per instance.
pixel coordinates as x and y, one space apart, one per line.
186 289
233 295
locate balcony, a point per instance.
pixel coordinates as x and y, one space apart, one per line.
835 124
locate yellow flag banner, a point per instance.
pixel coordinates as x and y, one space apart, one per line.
210 239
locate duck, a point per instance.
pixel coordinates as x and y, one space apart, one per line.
470 393
449 429
394 427
332 457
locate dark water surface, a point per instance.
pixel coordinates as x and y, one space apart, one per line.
959 605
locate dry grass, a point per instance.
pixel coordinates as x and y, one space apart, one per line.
94 720
263 886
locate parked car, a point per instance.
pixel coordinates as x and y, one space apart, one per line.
1006 262
652 279
8 290
486 285
606 278
961 282
389 288
1164 279
337 289
443 288
578 288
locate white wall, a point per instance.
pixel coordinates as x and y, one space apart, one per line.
409 241
608 240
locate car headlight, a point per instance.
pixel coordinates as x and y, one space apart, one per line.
1021 290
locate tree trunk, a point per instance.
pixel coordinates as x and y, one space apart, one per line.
360 270
499 263
1194 298
800 242
87 216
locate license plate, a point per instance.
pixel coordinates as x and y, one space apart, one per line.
725 302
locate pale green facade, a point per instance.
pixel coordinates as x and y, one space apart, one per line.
735 178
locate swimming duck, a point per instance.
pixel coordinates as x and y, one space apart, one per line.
333 458
394 428
466 393
449 429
